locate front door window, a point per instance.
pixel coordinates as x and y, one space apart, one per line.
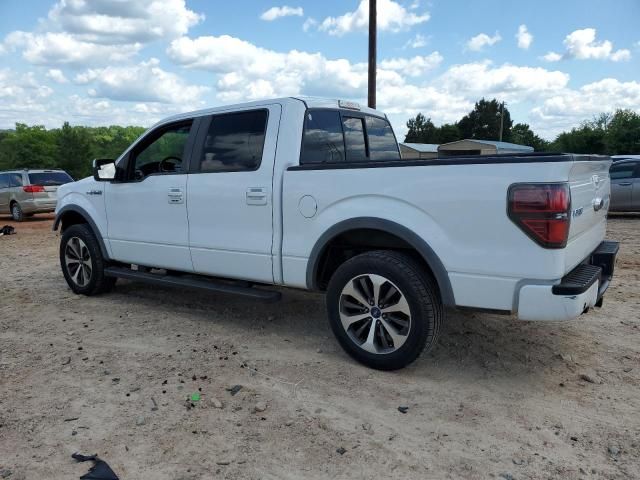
162 153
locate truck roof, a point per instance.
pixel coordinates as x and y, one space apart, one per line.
310 102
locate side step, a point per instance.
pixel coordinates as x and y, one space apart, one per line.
192 281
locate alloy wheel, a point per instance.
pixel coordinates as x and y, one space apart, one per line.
375 313
78 261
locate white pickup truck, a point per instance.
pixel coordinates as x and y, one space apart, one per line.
313 194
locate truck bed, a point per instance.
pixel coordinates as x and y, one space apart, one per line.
458 206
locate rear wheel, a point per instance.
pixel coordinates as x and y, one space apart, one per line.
82 261
384 309
16 212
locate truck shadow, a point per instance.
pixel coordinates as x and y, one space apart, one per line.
471 345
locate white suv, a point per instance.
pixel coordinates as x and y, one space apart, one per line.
312 194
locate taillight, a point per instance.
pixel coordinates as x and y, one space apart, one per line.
33 188
541 210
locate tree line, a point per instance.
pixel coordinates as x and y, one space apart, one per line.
70 148
607 134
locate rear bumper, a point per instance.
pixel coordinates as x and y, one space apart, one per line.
38 206
582 288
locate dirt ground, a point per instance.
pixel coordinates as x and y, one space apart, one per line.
497 398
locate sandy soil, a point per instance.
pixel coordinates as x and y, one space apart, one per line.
497 398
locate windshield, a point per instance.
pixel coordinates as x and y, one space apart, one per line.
49 179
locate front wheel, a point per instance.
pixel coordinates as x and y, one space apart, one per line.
384 309
82 261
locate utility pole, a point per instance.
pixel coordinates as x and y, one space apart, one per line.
501 120
373 27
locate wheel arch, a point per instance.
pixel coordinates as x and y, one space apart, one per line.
387 228
74 215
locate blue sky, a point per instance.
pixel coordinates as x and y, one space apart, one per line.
555 63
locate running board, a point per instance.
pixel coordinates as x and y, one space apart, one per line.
192 282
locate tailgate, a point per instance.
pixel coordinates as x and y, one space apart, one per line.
590 194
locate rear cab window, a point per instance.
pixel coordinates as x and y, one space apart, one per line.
340 136
49 179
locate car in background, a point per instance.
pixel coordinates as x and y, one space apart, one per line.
618 158
625 186
25 192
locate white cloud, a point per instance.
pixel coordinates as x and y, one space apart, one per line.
481 40
525 39
309 23
83 33
582 45
285 11
391 17
552 57
414 66
509 82
25 100
569 107
21 87
22 98
244 71
124 22
57 76
145 82
418 41
65 49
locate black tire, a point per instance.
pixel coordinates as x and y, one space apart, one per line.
16 212
413 282
97 281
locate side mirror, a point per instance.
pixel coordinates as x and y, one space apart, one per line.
104 170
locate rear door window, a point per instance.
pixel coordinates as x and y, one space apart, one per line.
49 179
4 180
234 142
382 142
322 141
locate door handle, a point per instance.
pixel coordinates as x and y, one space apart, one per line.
256 196
625 184
175 195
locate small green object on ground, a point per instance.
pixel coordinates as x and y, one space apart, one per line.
195 397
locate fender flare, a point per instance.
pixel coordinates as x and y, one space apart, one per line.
426 252
84 214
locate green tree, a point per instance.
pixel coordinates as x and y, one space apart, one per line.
581 140
623 133
74 150
448 132
483 122
28 147
70 147
421 130
522 134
